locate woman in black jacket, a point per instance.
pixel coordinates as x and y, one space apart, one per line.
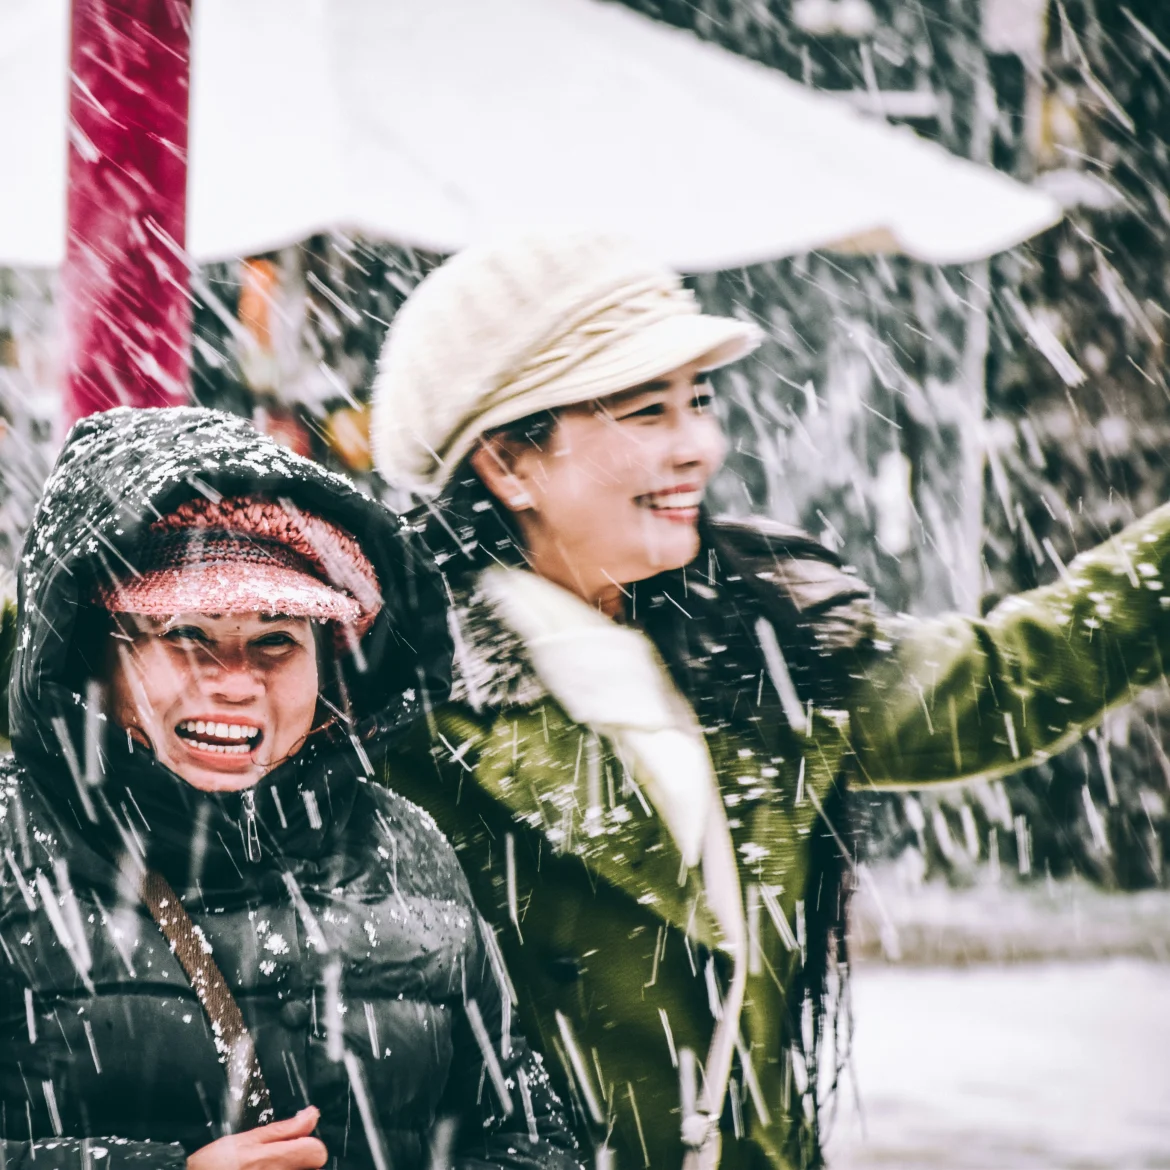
220 945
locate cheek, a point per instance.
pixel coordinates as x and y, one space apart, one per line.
144 685
569 489
621 467
592 459
294 695
715 446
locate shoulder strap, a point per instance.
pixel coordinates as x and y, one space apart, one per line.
252 1104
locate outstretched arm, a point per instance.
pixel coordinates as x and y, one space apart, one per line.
955 697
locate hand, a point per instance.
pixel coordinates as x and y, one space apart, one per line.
283 1145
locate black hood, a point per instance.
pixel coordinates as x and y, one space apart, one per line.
118 472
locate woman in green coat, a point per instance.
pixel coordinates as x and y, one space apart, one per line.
653 714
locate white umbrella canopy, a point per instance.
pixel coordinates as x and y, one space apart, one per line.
436 123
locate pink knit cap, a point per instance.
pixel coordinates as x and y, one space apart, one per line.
249 555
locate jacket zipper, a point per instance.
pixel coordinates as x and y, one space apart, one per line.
251 833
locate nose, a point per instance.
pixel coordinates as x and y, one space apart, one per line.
698 440
229 677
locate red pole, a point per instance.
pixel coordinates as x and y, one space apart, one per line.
125 282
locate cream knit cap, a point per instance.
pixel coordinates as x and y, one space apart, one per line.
503 331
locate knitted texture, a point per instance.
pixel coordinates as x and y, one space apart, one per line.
543 321
244 555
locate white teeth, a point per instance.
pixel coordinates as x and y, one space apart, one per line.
231 749
674 499
237 731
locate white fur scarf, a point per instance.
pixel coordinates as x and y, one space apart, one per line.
609 678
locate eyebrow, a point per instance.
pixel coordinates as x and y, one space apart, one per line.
659 385
172 622
623 396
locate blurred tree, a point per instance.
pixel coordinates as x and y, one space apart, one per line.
1079 396
853 423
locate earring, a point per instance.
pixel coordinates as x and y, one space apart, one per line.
520 500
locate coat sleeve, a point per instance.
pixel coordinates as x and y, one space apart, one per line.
506 1114
955 697
66 1153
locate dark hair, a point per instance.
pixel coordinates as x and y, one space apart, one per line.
684 623
468 529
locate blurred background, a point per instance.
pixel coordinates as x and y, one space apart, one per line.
956 433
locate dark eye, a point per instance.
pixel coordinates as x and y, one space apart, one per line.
702 401
180 634
277 640
653 410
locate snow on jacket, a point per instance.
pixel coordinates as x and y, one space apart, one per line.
106 1057
608 934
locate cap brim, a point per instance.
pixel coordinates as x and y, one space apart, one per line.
653 350
224 589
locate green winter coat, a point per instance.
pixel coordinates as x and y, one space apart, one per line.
608 951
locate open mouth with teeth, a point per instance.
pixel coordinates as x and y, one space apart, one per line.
227 739
677 504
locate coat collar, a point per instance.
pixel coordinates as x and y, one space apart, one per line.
608 679
491 668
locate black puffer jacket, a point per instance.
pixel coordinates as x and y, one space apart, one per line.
105 1054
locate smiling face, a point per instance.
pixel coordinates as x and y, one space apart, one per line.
219 700
613 496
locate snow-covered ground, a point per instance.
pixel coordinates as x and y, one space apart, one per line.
999 922
1060 1066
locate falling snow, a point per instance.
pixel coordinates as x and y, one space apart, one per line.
954 435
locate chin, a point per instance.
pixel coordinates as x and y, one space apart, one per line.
664 558
207 781
678 553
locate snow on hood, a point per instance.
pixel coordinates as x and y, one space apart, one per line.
117 473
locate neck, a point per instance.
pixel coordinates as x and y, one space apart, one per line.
597 589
